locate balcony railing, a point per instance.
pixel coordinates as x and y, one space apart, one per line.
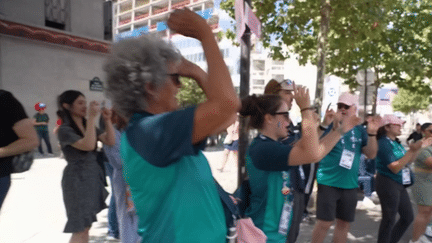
161 10
180 4
141 3
122 22
142 16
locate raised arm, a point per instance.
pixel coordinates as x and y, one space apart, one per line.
108 136
306 149
222 103
371 149
88 142
410 155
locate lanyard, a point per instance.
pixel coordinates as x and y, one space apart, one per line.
352 140
285 179
397 146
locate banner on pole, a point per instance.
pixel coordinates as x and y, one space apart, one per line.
252 21
240 19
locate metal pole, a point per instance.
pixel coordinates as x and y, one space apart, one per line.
365 95
244 91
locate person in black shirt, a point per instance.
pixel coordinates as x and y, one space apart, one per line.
17 135
416 135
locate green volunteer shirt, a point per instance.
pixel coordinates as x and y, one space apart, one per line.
266 160
330 173
41 118
170 179
388 152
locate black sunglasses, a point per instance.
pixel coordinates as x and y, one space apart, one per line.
285 114
176 78
340 106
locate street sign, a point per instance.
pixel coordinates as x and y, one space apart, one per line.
96 84
252 21
240 20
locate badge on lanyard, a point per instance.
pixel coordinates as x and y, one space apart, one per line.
406 177
347 159
285 218
302 174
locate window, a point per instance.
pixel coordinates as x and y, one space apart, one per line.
278 62
278 77
258 65
57 14
258 81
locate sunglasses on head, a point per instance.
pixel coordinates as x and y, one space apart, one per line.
340 106
175 78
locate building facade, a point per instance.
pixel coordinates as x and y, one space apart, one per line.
49 46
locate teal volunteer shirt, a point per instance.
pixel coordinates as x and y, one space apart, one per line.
266 161
170 179
330 173
388 152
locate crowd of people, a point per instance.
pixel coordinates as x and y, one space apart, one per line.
162 184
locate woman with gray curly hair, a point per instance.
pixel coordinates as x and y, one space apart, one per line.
170 179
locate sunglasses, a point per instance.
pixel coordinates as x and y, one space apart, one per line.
287 81
175 78
285 114
340 106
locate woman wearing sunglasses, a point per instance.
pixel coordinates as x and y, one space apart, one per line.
172 187
392 179
268 161
422 188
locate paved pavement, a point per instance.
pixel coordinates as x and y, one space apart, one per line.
33 211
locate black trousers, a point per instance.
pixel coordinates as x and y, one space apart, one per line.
394 199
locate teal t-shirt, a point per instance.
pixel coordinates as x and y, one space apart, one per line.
170 179
330 173
41 118
266 163
388 152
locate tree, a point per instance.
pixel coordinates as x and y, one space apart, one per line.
408 101
392 37
190 93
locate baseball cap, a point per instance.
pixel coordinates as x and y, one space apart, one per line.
39 106
287 84
348 99
391 119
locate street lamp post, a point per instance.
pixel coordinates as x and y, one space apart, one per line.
365 77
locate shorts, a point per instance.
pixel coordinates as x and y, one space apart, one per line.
333 202
232 146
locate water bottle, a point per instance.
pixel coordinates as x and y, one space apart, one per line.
232 235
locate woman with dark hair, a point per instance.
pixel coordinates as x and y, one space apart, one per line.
392 179
268 161
422 188
172 187
82 183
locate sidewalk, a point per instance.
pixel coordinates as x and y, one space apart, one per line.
33 211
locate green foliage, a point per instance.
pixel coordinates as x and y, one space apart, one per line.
190 93
393 37
407 101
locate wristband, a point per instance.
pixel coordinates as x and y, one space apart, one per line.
308 108
371 135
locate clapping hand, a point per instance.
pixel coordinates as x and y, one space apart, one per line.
301 96
106 114
94 109
374 122
423 143
188 23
